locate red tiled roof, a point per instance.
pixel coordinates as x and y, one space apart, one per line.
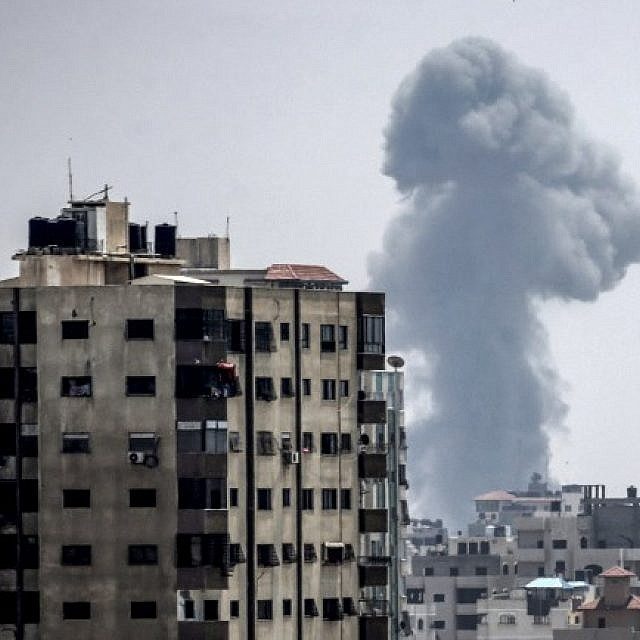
496 495
617 572
305 272
600 603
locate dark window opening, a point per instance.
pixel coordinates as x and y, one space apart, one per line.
328 389
332 609
267 556
329 498
76 611
234 609
202 493
307 442
207 381
345 498
264 337
210 609
141 386
265 389
310 552
76 555
233 497
264 499
140 554
415 596
236 340
9 551
189 609
481 571
202 550
27 327
286 607
7 383
75 443
140 329
76 386
473 546
559 544
76 498
438 624
265 610
327 338
371 334
265 443
140 498
284 331
345 442
428 571
349 607
286 497
75 329
306 386
8 433
289 554
310 608
209 436
286 388
438 597
344 388
200 324
343 337
328 443
305 338
28 384
145 609
453 572
7 327
307 499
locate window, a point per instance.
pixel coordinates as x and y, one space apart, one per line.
469 595
331 609
349 607
438 624
207 381
209 436
438 597
481 571
462 548
286 388
345 442
234 609
140 385
143 441
289 554
233 497
328 443
265 610
286 497
415 596
267 555
75 443
310 608
602 623
345 498
210 609
200 324
236 341
473 546
453 571
428 571
284 332
142 498
307 499
371 334
344 388
75 555
28 440
327 338
7 383
76 610
507 618
76 498
144 609
7 327
189 607
310 552
139 329
264 389
264 337
559 544
28 384
202 493
420 624
286 607
306 386
484 545
75 329
305 339
343 337
329 499
467 622
264 499
286 443
143 554
561 567
307 442
265 444
76 386
328 389
234 441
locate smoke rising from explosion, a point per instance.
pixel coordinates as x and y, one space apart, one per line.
506 203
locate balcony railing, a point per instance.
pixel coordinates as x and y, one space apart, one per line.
373 561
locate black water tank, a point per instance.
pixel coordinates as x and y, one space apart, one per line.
38 228
165 240
135 238
632 492
67 236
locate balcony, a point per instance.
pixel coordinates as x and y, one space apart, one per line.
374 628
372 465
372 411
374 561
373 521
373 575
374 608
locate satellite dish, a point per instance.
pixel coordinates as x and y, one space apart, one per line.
395 361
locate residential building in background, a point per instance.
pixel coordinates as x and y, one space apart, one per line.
190 451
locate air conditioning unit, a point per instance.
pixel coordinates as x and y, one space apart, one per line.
136 457
206 338
295 457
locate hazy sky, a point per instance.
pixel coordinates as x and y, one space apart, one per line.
272 113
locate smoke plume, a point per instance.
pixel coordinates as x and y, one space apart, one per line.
506 203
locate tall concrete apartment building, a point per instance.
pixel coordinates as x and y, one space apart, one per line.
181 442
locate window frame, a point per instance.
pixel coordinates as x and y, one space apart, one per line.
68 327
139 323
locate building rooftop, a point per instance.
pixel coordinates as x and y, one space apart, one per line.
617 572
496 495
302 273
633 602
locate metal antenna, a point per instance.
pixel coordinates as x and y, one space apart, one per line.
70 174
228 219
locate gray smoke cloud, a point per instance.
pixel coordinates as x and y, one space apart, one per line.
506 203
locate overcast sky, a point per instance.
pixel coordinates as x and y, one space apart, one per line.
272 113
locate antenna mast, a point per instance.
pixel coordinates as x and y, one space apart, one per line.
228 226
70 179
